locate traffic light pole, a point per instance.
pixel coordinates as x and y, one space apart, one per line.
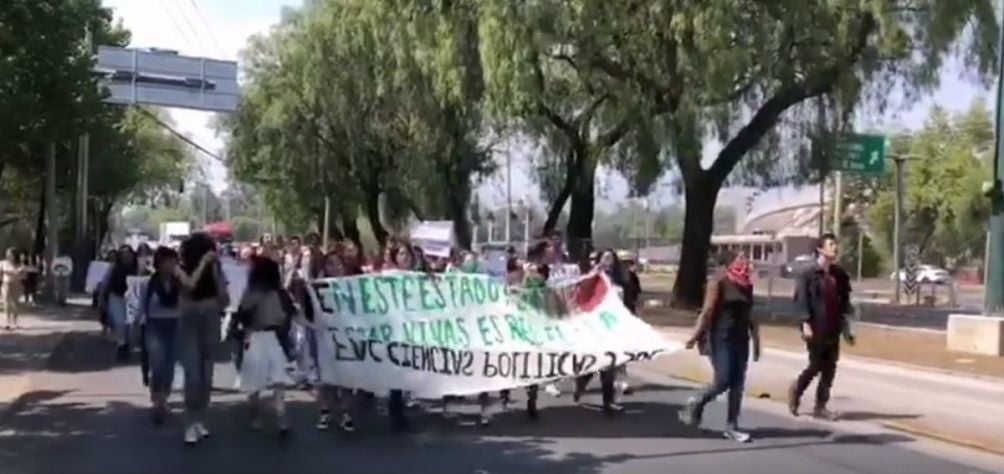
993 303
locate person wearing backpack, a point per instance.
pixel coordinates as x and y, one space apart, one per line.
266 312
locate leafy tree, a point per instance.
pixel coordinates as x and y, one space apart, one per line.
334 103
945 213
749 74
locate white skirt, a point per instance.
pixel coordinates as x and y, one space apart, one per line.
265 365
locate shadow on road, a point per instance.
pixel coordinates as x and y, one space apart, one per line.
873 416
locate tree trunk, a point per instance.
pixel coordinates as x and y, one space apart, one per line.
372 206
39 245
580 219
699 219
351 229
573 168
457 203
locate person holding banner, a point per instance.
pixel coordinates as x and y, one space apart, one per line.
203 298
113 300
724 331
320 352
160 307
610 266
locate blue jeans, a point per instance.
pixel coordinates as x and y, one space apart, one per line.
117 318
729 358
198 343
161 341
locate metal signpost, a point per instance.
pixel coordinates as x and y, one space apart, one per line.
910 270
152 77
144 77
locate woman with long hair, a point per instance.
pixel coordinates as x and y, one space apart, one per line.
403 258
724 331
322 353
203 298
266 312
609 264
11 282
113 300
160 306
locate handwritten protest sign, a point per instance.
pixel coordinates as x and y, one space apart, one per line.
462 334
434 237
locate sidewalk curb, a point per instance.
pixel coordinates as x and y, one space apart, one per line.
931 434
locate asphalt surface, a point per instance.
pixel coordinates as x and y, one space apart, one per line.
87 416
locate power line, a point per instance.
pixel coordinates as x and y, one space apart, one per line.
174 21
178 134
190 26
205 24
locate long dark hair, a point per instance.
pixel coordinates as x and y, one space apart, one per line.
264 275
192 250
123 269
165 286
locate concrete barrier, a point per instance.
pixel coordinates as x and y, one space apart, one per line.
975 334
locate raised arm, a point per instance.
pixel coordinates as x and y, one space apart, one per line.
190 281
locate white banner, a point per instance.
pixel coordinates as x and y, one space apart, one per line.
435 238
135 291
96 272
463 334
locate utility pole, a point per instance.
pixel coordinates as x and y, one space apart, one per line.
327 220
51 228
897 241
838 189
508 194
993 303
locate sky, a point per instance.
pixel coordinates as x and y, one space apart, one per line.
220 29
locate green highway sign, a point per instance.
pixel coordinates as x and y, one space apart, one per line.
856 153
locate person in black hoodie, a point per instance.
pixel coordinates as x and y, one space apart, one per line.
823 296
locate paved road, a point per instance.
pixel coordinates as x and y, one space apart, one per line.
87 417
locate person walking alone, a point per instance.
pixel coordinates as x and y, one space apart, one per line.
823 295
724 331
11 282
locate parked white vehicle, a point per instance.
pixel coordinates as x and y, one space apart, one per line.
927 274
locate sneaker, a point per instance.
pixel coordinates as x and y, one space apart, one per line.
348 425
552 390
793 400
484 421
324 421
409 400
191 435
200 428
690 415
624 388
613 409
737 436
822 413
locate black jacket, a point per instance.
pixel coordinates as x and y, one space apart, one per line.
811 302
